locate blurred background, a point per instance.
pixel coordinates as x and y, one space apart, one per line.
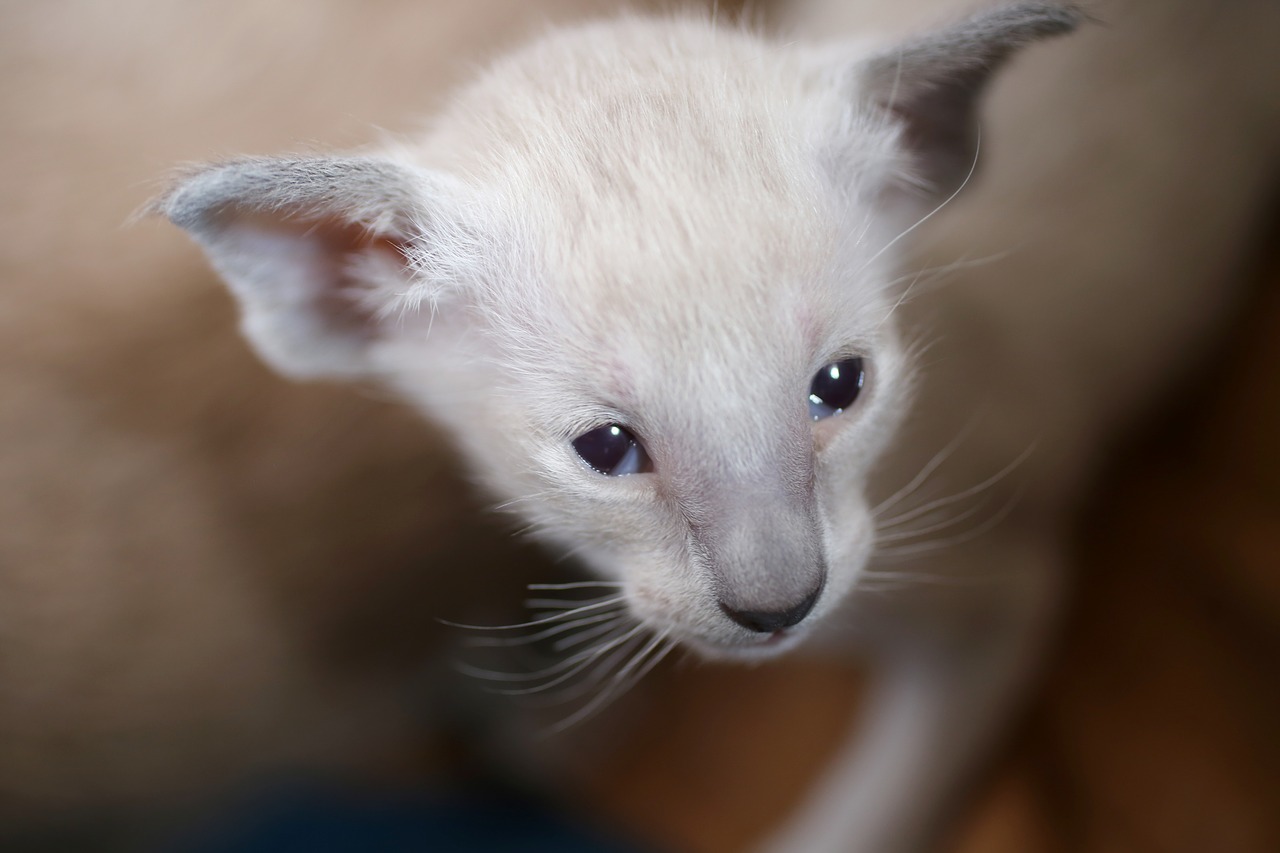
215 585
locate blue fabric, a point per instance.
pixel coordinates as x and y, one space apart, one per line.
346 822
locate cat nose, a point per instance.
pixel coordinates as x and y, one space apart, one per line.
769 621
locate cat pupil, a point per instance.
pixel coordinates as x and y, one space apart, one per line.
612 450
835 387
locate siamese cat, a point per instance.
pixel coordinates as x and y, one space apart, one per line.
665 283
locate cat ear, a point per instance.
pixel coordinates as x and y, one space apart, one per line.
932 84
313 249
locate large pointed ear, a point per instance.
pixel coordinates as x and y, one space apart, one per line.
933 83
307 246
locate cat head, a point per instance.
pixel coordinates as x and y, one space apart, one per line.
645 272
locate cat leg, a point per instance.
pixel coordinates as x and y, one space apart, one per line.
945 690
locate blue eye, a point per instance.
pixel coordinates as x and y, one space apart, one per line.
613 451
835 387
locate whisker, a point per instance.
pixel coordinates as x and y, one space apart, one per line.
612 602
918 348
929 275
494 642
942 544
882 585
932 465
565 643
569 555
911 578
588 682
587 658
508 504
901 298
635 661
554 669
617 688
575 585
560 603
906 579
940 270
526 531
897 78
881 588
959 496
933 528
977 148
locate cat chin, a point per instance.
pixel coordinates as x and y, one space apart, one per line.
749 651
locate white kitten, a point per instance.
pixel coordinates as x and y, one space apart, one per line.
651 275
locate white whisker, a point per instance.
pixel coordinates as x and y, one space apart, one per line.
561 603
940 270
977 148
569 555
493 642
933 528
914 578
943 544
959 496
618 686
612 602
575 585
507 505
582 659
554 669
565 643
932 465
588 682
928 275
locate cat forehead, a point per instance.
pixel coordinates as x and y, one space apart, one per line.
621 81
656 121
668 174
631 120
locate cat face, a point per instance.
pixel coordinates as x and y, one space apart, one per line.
673 307
645 273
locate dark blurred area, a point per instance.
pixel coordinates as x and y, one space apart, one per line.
219 591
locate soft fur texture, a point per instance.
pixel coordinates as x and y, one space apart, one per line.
672 227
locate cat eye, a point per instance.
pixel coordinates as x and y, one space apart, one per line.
835 387
613 451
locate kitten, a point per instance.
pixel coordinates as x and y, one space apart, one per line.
653 277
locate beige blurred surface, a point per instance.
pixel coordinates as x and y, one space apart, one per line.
204 569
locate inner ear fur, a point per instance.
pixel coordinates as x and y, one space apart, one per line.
306 246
